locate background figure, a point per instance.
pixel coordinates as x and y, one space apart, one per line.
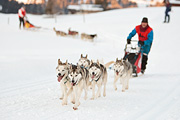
21 14
168 9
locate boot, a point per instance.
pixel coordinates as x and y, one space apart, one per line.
168 18
165 19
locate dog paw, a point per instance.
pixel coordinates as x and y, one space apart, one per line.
115 89
127 88
75 108
78 104
92 98
123 90
65 103
61 98
104 95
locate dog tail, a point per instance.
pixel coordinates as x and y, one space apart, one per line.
108 64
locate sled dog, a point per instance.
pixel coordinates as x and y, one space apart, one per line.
123 70
98 76
84 62
62 71
88 37
61 33
73 33
78 78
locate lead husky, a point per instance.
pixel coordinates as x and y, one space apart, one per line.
62 71
123 70
84 62
78 77
98 76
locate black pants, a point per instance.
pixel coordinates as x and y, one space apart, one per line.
144 62
21 20
167 15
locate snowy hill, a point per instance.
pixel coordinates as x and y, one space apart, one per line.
28 84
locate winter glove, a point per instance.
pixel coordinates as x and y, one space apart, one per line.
141 43
128 41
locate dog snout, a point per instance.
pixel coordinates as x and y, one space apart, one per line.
59 74
73 81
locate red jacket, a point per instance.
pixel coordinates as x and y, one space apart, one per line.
143 35
21 12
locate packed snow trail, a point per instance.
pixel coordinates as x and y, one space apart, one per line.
29 88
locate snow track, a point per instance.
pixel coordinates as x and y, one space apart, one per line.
29 88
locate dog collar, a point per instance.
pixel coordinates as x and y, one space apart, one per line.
98 78
84 67
67 78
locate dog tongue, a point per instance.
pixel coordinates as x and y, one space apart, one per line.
117 73
59 78
93 76
72 84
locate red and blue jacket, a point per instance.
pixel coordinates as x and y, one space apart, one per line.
146 36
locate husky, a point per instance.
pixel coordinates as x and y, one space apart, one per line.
88 37
123 70
98 76
61 33
78 78
73 33
62 71
84 62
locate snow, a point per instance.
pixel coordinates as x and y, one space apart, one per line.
28 58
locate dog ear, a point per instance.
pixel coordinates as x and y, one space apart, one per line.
66 62
98 62
122 61
126 60
81 56
70 66
86 56
59 62
116 59
91 62
78 66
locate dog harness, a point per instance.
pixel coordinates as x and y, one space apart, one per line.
67 79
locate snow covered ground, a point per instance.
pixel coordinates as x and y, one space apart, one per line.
29 88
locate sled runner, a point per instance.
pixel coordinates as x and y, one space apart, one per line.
134 55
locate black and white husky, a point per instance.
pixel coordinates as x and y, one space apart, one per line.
78 78
62 71
123 70
98 76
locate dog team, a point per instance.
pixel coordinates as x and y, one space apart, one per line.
74 79
84 36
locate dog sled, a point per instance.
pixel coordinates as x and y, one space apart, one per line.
29 25
134 55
